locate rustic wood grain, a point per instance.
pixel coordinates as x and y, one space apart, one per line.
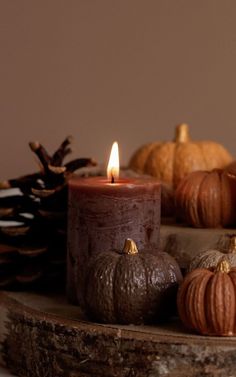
46 337
43 336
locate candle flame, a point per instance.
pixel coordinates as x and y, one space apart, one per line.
113 167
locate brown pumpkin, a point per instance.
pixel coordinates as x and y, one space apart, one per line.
206 300
130 287
210 258
207 199
172 161
231 169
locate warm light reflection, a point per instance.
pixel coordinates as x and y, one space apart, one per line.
113 167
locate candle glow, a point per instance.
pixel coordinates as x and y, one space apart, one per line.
102 213
113 167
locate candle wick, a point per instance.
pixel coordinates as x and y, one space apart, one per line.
112 179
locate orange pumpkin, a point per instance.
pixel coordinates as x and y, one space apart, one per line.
206 199
206 300
171 161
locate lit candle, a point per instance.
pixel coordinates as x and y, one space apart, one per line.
113 166
103 211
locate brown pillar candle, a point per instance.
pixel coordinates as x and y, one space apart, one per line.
102 215
103 212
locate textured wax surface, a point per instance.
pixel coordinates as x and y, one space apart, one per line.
100 222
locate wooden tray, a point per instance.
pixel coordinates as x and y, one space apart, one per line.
46 337
43 336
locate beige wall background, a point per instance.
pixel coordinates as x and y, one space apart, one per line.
103 70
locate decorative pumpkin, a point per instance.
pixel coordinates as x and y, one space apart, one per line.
172 161
231 169
131 287
206 300
207 199
210 258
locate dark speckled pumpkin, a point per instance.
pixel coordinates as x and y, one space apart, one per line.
131 287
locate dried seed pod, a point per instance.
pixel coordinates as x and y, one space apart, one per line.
62 152
35 219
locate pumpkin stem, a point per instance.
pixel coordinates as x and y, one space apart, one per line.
182 133
130 247
223 266
232 245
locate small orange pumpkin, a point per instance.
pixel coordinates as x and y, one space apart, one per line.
173 160
206 300
207 199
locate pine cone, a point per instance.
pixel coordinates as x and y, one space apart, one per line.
33 221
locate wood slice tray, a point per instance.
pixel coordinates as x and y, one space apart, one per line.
43 336
46 337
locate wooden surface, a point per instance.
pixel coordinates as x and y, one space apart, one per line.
184 242
5 373
43 336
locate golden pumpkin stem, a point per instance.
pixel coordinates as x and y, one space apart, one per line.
182 133
232 245
130 247
223 266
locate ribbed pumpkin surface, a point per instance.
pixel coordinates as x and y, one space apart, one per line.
207 302
207 199
171 161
